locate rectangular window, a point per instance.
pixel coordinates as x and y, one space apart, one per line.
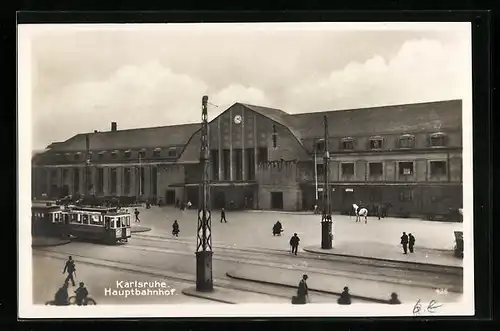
113 180
157 152
100 180
250 159
438 168
406 195
65 175
77 157
407 141
76 180
226 161
126 180
347 144
320 146
320 170
214 164
154 180
100 156
172 152
347 169
405 168
238 165
262 156
142 154
376 168
375 143
128 154
142 181
437 140
114 154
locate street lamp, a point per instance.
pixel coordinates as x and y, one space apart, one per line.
204 280
326 217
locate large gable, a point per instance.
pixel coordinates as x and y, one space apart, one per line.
430 116
132 138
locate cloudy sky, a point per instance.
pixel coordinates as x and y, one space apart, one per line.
82 79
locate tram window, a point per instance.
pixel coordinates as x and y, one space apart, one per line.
75 219
128 220
107 222
118 222
95 220
85 219
55 218
66 218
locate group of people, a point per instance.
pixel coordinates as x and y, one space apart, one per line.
302 296
277 228
61 297
408 242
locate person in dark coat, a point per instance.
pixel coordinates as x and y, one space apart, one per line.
61 298
136 213
175 228
303 291
223 215
411 242
81 294
345 297
277 228
404 242
294 243
394 299
70 268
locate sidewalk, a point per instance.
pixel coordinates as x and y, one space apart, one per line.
233 296
391 253
361 290
48 241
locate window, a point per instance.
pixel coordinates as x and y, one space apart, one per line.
101 155
75 219
142 153
76 180
172 152
437 140
320 146
126 180
85 219
113 180
347 143
95 220
100 180
406 141
114 154
77 156
438 168
376 143
157 152
347 169
320 170
154 180
376 169
64 175
128 154
406 168
406 195
262 155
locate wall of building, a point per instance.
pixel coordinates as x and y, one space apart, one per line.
277 176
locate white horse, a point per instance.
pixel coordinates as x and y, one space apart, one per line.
363 212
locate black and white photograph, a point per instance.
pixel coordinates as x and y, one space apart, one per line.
245 170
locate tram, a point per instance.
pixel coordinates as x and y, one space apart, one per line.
45 216
106 225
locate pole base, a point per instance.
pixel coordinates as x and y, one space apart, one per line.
204 280
326 235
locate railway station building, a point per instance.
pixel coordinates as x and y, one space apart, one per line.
264 158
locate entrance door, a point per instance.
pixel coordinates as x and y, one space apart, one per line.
170 197
220 200
348 199
276 200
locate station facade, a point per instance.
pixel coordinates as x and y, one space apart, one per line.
263 158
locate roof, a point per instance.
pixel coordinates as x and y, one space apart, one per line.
133 138
277 115
428 116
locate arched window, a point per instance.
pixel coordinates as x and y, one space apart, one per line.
407 141
437 139
348 143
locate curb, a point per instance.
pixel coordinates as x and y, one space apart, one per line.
408 263
140 229
360 297
189 293
60 243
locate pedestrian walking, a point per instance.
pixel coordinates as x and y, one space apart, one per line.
175 229
223 215
136 213
404 242
302 292
345 297
294 243
411 242
70 268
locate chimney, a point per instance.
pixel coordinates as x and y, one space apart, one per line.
113 126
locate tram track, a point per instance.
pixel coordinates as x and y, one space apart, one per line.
338 262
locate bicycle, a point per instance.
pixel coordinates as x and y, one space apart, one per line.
88 301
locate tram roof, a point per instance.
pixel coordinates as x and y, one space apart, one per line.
106 210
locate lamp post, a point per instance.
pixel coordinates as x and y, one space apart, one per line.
204 280
326 217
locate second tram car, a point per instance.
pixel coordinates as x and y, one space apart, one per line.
45 217
107 225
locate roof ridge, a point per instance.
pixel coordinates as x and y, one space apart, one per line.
141 128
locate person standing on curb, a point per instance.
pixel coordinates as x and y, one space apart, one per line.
302 292
404 242
411 242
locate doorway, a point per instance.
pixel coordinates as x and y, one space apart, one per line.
348 199
276 200
170 197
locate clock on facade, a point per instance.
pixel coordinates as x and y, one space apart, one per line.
237 119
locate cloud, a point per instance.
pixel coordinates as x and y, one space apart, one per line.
152 93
